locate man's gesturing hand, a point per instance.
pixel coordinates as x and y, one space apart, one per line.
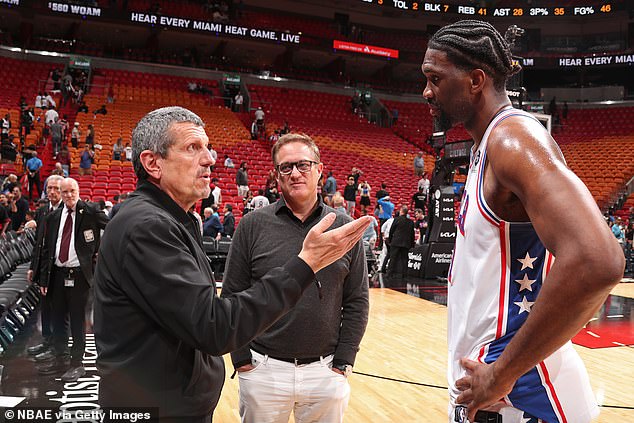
322 248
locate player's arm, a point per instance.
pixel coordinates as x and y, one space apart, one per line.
589 262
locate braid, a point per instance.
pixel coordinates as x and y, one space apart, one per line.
473 44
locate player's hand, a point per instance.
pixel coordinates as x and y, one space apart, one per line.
481 387
29 276
245 368
43 290
322 248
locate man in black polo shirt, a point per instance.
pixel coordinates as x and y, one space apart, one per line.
301 363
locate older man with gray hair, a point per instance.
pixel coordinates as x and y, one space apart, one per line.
69 250
159 326
54 195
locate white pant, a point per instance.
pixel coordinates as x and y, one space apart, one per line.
274 388
243 190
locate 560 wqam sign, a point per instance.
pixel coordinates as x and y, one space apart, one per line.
215 27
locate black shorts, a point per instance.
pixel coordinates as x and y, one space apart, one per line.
364 201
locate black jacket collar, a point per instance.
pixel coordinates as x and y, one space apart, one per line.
159 198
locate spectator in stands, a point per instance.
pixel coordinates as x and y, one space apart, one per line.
153 278
57 131
401 240
228 221
330 187
419 199
5 127
26 121
228 162
629 252
65 126
350 195
382 192
424 183
617 230
67 91
57 170
5 219
56 78
86 159
100 111
242 180
74 135
9 183
274 137
420 225
214 155
259 118
9 150
212 226
259 201
314 346
564 113
213 197
255 132
50 115
386 209
117 149
286 129
115 209
83 107
356 174
64 158
355 102
128 152
271 192
338 203
29 222
18 206
108 208
246 203
33 166
216 191
370 233
68 262
49 100
552 107
364 196
419 164
38 101
238 101
90 137
394 116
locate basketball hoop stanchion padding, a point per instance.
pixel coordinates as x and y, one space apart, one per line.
432 259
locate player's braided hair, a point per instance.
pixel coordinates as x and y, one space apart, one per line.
471 44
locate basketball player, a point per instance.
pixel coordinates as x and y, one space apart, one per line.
513 308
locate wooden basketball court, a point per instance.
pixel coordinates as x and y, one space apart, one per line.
406 342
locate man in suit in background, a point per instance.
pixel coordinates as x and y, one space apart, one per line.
71 241
401 240
54 195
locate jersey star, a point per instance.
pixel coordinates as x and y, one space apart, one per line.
525 283
527 262
524 305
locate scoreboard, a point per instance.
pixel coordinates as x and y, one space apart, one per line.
470 10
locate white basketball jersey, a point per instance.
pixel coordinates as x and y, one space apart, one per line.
495 276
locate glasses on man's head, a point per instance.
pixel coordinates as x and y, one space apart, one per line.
304 166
